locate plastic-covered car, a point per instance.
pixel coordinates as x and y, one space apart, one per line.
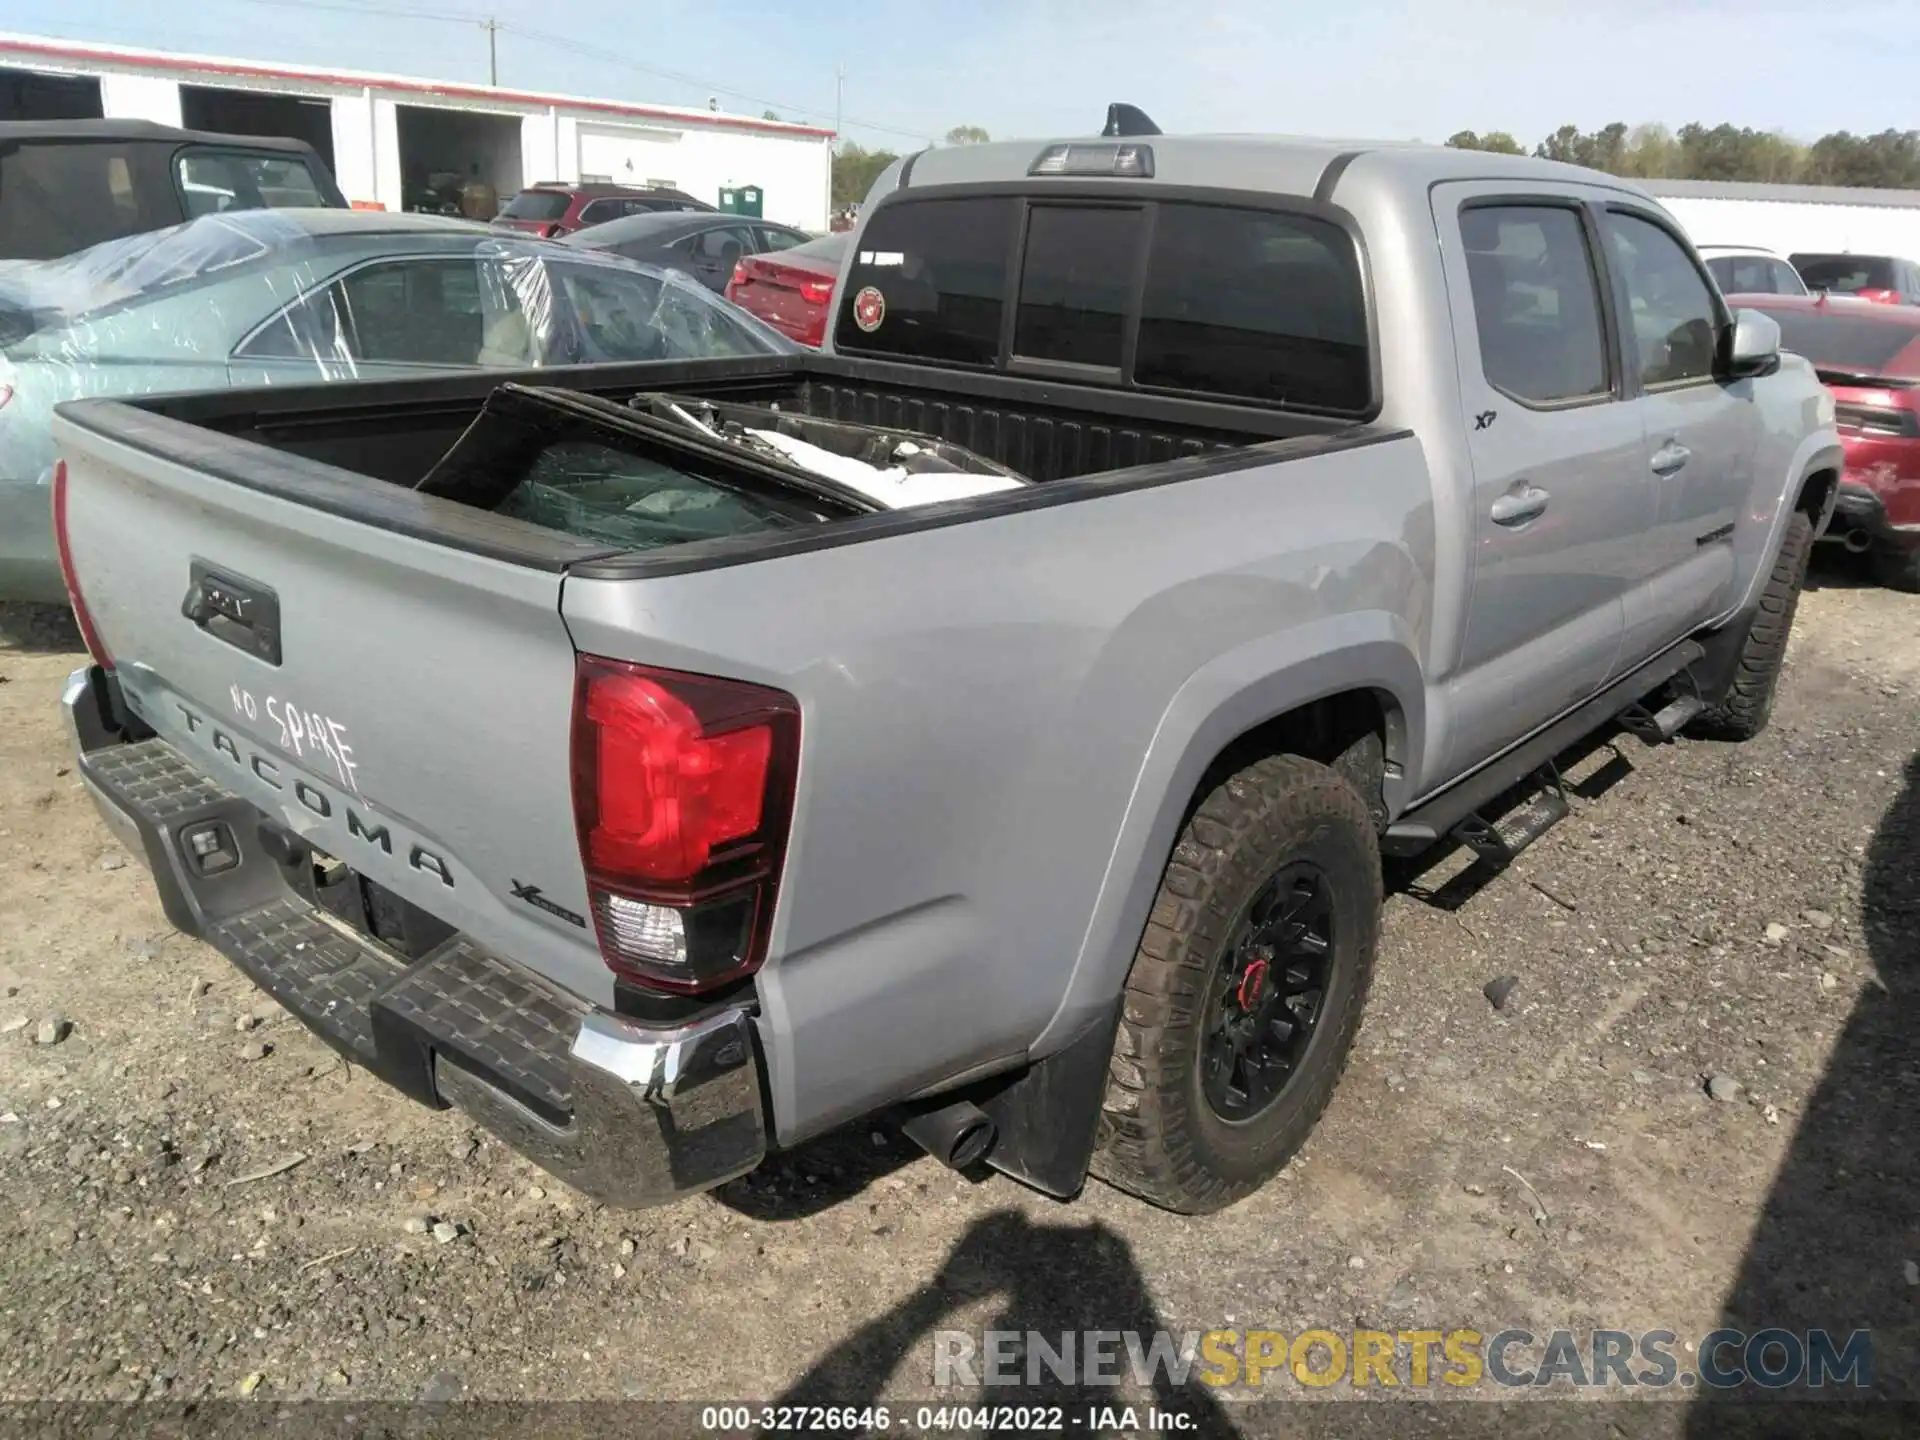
293 297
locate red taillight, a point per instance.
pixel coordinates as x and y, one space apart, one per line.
817 292
65 550
739 275
682 791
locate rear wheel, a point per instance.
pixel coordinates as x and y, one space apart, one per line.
1246 990
1744 710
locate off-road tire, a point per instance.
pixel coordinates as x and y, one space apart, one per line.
1897 567
1159 1138
1744 710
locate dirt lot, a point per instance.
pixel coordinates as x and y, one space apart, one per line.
1742 912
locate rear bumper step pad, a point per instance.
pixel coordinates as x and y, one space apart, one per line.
632 1114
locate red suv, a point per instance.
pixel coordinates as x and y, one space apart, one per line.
555 208
1869 356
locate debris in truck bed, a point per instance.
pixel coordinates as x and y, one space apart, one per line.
896 486
897 468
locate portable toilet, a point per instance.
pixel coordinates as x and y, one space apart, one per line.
740 200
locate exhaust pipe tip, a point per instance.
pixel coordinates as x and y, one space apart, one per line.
959 1135
1858 542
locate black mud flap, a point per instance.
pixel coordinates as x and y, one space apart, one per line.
1048 1116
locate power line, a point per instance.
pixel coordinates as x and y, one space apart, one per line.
396 12
597 53
592 52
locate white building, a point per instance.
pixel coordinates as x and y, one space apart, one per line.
1789 218
385 135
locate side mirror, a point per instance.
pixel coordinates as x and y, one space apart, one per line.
1755 346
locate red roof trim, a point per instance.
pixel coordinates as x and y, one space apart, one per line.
445 89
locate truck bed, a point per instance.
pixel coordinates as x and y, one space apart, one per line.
396 431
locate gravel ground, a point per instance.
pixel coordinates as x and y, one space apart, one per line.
197 1199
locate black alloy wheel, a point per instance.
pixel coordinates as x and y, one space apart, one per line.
1268 993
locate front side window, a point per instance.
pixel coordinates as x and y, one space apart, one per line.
1074 281
214 181
722 245
445 313
1674 322
1536 303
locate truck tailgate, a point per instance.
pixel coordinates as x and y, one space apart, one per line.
400 703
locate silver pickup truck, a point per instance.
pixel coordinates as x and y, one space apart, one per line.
704 809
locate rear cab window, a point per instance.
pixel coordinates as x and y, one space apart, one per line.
1195 298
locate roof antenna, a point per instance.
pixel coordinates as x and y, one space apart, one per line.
1124 119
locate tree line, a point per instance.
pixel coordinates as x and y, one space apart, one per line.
855 168
1888 160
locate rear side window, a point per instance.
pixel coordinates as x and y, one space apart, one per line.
1536 303
1074 282
57 197
1255 304
930 281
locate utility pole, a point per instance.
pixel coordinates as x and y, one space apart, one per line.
492 27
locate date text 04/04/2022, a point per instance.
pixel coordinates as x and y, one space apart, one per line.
936 1419
306 734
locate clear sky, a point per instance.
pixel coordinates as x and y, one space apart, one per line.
1392 69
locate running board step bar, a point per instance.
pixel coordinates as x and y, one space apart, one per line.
1656 727
1498 842
1438 815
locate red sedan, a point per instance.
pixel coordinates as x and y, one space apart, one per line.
1869 356
792 290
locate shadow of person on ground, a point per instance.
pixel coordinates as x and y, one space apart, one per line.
1838 1242
1045 1278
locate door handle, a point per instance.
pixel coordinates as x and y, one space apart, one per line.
1520 504
1668 459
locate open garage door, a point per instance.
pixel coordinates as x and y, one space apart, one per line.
30 95
458 162
255 112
